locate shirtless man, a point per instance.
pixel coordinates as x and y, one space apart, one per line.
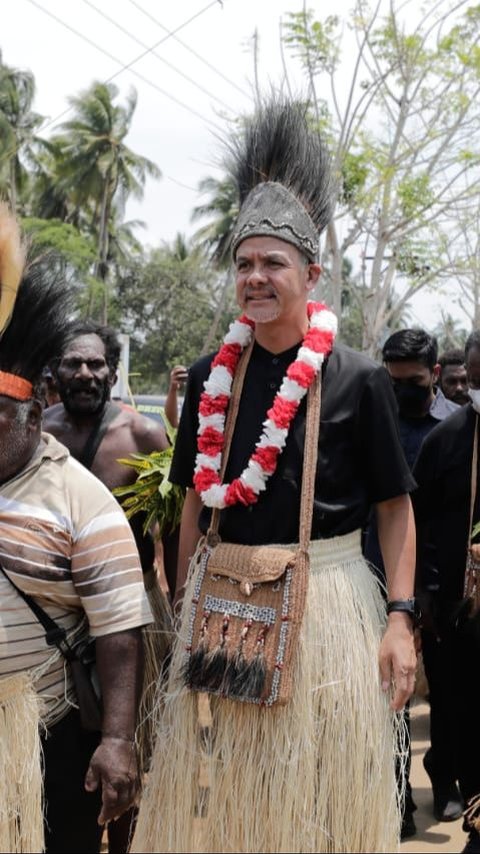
97 432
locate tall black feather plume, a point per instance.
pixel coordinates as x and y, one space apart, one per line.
280 144
36 332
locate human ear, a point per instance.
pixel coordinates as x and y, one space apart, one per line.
35 414
313 275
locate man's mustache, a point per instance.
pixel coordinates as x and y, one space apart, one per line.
259 293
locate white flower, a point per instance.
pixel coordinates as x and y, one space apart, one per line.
272 435
217 420
291 390
214 496
205 461
314 360
219 381
325 320
254 476
238 333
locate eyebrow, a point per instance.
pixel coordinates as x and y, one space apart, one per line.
274 255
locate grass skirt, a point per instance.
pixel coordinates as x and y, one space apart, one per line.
21 820
316 775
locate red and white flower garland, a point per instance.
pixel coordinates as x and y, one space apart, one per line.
215 398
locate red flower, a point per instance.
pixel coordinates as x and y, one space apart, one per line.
302 373
204 478
244 319
228 356
238 492
210 441
213 405
318 340
282 411
315 307
267 457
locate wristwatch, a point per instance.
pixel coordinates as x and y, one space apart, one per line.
408 606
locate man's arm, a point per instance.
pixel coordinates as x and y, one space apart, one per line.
113 766
189 536
396 532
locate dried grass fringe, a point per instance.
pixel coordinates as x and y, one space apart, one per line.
21 818
314 776
157 643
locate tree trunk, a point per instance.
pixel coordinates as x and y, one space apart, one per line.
13 185
218 313
101 266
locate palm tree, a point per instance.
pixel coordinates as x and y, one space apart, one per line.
102 170
18 124
222 208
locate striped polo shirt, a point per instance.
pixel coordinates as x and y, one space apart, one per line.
65 541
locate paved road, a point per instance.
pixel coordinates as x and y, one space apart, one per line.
432 836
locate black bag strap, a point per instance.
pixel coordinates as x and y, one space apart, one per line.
55 635
97 433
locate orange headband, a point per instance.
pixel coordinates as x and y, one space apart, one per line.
13 386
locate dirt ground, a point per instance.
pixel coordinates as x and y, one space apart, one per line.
432 836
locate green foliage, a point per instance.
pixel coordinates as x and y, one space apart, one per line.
314 42
168 302
414 194
60 237
355 168
152 493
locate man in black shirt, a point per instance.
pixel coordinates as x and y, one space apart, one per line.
410 357
446 509
317 773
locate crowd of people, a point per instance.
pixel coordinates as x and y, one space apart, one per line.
327 497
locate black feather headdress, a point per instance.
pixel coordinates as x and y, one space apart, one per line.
35 320
281 167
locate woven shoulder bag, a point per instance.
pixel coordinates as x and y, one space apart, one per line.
248 601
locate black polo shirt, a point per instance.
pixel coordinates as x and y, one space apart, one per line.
360 459
442 501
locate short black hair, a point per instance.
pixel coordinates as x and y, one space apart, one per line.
411 345
473 340
108 335
451 357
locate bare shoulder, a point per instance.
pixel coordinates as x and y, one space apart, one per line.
149 435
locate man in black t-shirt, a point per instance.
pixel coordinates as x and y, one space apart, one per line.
410 357
443 507
284 778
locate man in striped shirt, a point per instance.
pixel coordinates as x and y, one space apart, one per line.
65 542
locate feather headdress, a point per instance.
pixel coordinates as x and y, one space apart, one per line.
12 262
281 167
34 309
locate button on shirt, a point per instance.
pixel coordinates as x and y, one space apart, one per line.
360 459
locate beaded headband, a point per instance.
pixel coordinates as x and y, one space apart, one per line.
14 386
271 210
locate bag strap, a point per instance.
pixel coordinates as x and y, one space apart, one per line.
55 635
473 496
96 435
312 427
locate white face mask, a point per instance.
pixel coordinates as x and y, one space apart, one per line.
474 395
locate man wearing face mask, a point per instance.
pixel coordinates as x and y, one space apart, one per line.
447 506
410 357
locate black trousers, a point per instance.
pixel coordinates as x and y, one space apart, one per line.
465 647
437 653
70 812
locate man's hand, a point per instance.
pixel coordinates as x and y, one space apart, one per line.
113 766
398 660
